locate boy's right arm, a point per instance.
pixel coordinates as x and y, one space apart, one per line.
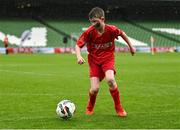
80 59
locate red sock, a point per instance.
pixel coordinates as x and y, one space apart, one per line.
92 101
116 97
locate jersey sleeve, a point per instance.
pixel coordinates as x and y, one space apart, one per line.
82 40
117 32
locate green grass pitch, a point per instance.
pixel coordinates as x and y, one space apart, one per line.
32 85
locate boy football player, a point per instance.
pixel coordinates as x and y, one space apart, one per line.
99 39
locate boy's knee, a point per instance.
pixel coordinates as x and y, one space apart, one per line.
111 82
94 90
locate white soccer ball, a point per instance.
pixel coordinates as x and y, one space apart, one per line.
65 109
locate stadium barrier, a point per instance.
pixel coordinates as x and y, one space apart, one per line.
177 49
51 50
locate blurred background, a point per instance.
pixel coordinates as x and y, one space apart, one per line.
73 9
54 25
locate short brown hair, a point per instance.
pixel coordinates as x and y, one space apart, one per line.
96 12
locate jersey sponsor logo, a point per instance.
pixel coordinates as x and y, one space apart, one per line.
103 46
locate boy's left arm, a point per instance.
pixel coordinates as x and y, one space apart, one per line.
124 36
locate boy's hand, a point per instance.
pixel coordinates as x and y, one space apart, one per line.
80 60
132 50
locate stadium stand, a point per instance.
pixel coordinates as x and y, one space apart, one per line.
64 21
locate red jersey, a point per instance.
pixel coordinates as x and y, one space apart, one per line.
101 47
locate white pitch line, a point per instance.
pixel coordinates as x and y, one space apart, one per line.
23 118
14 65
27 94
46 94
26 72
156 84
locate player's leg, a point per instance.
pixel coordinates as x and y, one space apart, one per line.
6 49
113 88
92 95
96 75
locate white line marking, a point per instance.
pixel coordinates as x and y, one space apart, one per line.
26 64
46 94
26 72
156 84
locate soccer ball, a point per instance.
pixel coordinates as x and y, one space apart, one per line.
65 109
